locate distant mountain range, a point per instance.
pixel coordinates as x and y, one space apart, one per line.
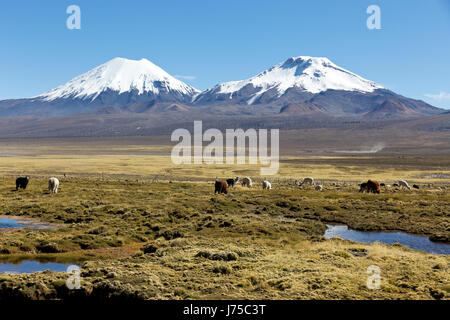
298 86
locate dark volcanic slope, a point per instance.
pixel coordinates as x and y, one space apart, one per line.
130 101
148 123
302 108
379 104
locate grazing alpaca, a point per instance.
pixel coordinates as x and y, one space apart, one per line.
404 184
266 185
220 186
308 180
247 182
363 187
232 182
373 186
53 185
22 182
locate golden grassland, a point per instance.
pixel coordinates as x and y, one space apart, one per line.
327 168
143 228
161 240
147 157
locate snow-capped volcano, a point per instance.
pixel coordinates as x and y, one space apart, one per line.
118 84
121 75
303 74
308 73
296 87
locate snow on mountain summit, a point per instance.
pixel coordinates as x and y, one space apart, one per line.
297 87
120 75
310 74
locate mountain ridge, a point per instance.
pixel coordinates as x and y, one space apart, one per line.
121 75
298 86
309 74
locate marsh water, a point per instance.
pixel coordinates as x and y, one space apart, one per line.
29 266
32 266
412 241
10 222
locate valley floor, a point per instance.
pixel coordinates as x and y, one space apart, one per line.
142 228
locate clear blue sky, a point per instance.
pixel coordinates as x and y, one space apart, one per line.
216 41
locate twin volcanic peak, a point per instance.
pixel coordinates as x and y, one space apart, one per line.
297 85
116 83
121 76
304 74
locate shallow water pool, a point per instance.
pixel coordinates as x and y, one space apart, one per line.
32 267
20 222
409 240
9 223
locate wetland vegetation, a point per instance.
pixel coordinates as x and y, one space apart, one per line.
143 235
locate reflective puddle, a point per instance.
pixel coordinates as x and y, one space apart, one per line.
9 223
409 240
17 222
32 267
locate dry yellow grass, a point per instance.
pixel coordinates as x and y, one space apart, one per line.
108 220
148 166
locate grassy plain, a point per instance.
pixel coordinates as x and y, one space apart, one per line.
142 227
